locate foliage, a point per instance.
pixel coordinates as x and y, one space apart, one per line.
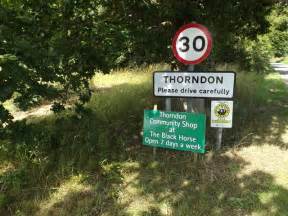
50 48
285 60
278 31
5 116
257 54
57 107
43 51
93 163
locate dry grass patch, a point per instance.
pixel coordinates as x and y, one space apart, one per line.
73 194
270 159
125 76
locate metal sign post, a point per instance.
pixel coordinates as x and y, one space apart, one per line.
192 44
219 138
168 104
195 106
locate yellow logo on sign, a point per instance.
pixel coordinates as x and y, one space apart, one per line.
222 110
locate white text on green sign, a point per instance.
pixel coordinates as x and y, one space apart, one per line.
174 130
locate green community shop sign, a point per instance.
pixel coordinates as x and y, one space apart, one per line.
175 130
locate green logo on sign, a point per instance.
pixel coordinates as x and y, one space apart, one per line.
174 130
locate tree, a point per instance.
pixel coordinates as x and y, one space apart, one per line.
278 34
43 51
51 47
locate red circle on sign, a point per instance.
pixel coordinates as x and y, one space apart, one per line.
209 43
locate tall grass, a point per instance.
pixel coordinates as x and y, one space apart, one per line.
91 162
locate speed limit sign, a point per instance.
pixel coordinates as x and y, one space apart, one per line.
192 43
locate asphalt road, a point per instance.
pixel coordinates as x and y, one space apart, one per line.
282 69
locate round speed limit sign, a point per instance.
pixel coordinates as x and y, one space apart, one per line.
192 43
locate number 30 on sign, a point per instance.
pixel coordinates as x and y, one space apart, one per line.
192 43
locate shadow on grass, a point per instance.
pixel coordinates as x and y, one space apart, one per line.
215 187
260 113
102 143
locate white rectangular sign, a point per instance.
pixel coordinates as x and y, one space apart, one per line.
194 84
221 114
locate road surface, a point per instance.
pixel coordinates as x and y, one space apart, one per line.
282 69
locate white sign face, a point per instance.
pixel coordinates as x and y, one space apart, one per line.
192 44
194 84
221 114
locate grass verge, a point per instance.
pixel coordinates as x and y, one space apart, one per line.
92 162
